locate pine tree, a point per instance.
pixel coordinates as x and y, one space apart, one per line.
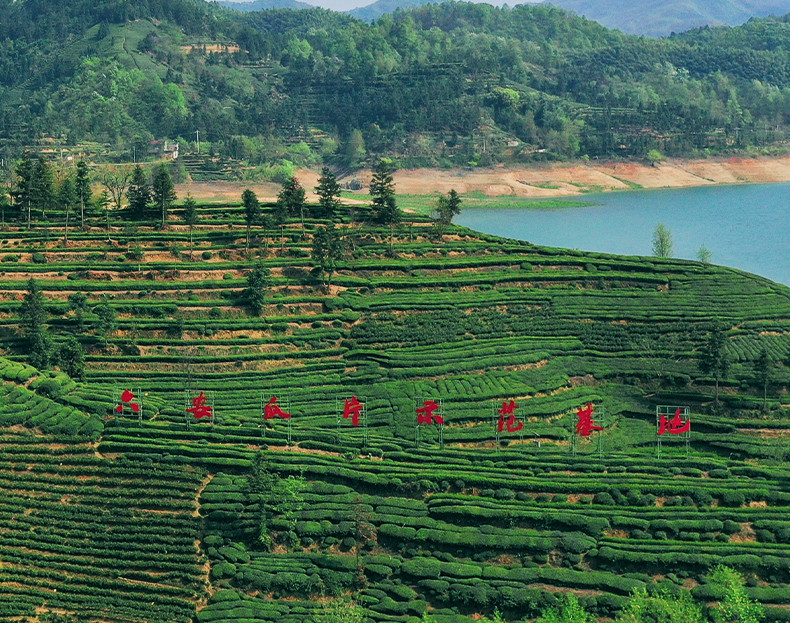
382 189
32 319
78 303
67 198
43 186
327 250
291 198
82 183
252 211
138 194
163 191
762 374
106 319
22 191
328 191
258 284
71 359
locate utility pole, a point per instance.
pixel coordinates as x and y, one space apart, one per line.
197 138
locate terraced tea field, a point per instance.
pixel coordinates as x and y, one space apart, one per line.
454 531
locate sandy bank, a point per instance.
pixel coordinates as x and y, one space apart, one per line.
548 180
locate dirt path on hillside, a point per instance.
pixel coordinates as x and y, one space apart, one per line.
547 180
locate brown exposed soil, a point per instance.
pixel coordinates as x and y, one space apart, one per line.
546 180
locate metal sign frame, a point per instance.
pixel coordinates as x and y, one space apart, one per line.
340 404
417 427
284 402
189 395
497 404
138 396
666 411
600 420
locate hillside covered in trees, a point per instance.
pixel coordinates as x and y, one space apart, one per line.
449 84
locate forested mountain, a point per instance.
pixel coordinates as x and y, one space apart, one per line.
262 5
443 84
375 10
658 18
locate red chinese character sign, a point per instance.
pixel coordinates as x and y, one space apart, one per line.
274 409
429 412
585 424
672 422
128 401
504 419
352 413
589 419
198 407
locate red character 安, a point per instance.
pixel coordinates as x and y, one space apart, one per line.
273 410
675 426
199 407
126 400
425 414
509 409
352 410
586 425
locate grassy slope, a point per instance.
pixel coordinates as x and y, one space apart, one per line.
472 319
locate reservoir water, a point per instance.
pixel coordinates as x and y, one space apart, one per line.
744 226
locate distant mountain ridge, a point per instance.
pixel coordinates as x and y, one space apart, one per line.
262 5
657 18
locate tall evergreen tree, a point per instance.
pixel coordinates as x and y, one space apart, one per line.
106 319
164 192
82 184
71 358
291 198
327 250
138 194
5 204
67 200
22 191
32 319
328 191
382 189
258 284
252 211
762 373
43 186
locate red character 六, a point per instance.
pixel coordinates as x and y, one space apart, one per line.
126 399
675 426
425 414
352 409
509 409
272 410
586 425
199 407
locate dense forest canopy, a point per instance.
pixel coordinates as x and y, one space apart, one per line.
444 84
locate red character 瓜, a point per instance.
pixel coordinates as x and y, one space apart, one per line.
509 409
675 426
126 400
272 410
425 414
199 407
586 425
352 409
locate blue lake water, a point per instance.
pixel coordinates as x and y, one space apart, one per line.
745 226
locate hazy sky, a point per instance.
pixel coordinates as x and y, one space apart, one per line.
345 5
